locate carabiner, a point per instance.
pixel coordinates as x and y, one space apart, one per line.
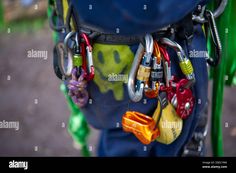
209 17
220 9
216 39
141 70
66 40
166 64
144 70
135 95
89 55
156 52
149 43
156 73
66 66
184 63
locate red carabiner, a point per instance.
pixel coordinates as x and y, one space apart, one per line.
87 57
165 54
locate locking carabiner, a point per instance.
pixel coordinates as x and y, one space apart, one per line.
156 73
140 71
145 66
184 63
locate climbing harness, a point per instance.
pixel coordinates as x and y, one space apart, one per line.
150 75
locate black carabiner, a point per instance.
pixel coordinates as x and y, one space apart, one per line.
216 39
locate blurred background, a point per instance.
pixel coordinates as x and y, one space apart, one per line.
30 94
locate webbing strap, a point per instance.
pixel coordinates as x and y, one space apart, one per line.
65 9
116 39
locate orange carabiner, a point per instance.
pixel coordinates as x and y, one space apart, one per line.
156 52
142 126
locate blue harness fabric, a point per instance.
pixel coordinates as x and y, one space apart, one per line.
132 17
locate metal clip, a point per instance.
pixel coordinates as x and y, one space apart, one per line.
220 9
156 73
184 63
142 71
135 95
167 65
216 39
145 67
66 67
89 55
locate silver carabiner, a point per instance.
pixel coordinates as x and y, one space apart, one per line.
141 69
67 66
220 9
149 45
184 63
134 95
